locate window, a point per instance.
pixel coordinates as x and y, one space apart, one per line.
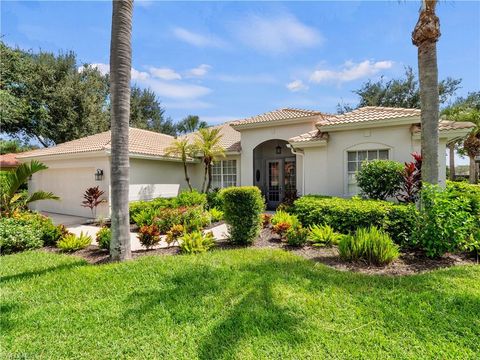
224 173
354 164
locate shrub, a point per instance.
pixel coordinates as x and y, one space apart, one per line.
242 208
379 179
104 237
323 235
92 199
284 217
190 198
411 180
71 242
346 215
196 242
370 245
216 215
266 220
149 235
153 205
466 190
282 228
296 236
174 234
145 216
214 200
17 236
446 222
49 233
192 218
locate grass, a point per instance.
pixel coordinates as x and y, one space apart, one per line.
242 304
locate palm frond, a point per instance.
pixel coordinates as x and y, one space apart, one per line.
41 195
20 176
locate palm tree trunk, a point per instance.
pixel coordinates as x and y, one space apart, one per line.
425 37
472 173
120 73
209 184
187 178
451 149
205 173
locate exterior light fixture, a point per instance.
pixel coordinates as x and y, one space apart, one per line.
278 150
99 175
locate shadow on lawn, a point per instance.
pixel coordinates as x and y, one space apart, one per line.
29 274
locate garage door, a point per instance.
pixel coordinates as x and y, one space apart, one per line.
69 185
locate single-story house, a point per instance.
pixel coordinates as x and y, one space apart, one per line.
281 151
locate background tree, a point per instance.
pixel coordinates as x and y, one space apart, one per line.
147 113
207 143
120 75
425 36
182 148
190 124
14 146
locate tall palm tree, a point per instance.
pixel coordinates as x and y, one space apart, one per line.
207 143
182 148
425 37
190 124
12 200
120 74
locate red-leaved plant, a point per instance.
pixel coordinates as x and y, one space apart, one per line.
92 199
412 180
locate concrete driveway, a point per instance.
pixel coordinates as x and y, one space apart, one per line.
67 220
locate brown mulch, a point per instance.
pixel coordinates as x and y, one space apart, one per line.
407 264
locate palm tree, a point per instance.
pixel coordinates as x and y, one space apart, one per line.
12 200
120 74
207 143
190 124
425 37
182 148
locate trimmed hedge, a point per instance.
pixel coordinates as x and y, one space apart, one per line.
243 207
346 215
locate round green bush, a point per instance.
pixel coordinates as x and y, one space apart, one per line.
380 179
104 237
243 207
17 236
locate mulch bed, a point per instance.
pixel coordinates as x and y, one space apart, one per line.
408 263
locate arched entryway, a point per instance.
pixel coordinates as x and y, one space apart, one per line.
274 171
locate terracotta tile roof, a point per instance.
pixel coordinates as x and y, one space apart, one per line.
446 125
9 161
230 137
140 142
280 114
314 135
369 113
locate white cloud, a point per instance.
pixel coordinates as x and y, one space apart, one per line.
296 85
199 71
198 40
189 104
177 90
139 75
164 73
213 120
350 71
248 79
279 34
105 69
102 68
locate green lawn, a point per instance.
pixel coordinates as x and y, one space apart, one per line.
245 304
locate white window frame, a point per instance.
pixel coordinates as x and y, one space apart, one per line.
222 174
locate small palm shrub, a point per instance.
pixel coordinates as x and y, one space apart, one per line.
243 207
149 235
196 242
370 245
175 232
296 236
72 242
323 235
16 236
104 237
380 179
216 215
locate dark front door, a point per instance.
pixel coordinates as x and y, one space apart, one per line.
281 180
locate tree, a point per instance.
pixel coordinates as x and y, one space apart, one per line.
425 36
401 92
207 143
11 199
14 146
120 75
190 124
182 148
147 113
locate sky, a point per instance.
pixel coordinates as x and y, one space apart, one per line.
230 60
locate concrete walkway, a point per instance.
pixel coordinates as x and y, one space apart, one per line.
75 225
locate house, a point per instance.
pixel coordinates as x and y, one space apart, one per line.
281 152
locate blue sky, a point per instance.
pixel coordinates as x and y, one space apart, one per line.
228 60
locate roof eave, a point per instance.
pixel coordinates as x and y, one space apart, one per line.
370 124
308 144
449 135
262 124
81 154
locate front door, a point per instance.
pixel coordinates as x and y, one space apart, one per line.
274 184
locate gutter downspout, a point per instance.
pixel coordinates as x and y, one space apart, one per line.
302 154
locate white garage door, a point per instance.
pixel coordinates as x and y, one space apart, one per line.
69 185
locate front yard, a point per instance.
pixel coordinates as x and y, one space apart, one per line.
244 303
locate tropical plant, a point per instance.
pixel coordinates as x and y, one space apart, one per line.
145 216
379 179
208 143
72 242
296 236
266 220
183 149
196 242
175 232
216 215
120 76
49 232
12 200
323 235
425 36
92 199
104 237
370 245
190 124
17 236
412 180
149 235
